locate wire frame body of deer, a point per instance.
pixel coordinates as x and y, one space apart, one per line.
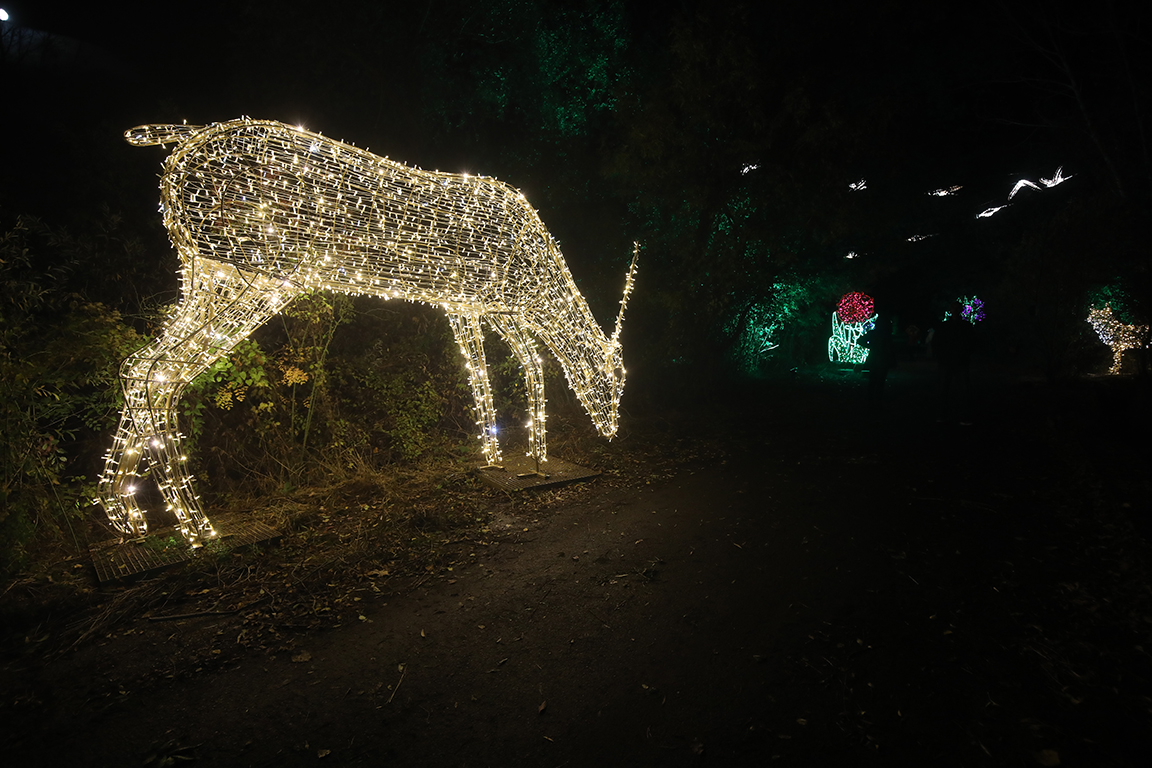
261 212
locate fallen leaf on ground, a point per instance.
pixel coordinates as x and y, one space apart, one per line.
302 656
540 709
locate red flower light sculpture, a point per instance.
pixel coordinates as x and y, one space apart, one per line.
855 307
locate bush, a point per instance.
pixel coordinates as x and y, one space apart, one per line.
59 356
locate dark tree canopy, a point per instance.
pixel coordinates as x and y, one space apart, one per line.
722 135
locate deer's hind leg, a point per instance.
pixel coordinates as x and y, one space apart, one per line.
215 312
469 335
524 347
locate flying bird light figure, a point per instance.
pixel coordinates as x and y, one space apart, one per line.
1057 178
1022 184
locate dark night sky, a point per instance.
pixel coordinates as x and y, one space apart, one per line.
214 60
960 89
304 62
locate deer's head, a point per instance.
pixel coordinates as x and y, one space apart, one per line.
614 375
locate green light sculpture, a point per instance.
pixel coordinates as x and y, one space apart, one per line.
854 316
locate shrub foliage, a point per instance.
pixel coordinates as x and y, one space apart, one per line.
333 388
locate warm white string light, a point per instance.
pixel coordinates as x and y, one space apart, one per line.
1117 335
260 212
1022 184
1057 178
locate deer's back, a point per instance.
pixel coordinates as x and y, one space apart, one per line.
294 205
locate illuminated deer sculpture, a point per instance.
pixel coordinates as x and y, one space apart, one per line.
260 212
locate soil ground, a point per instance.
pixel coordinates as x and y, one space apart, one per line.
803 580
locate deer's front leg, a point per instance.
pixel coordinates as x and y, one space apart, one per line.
152 381
470 336
163 444
147 432
117 484
524 347
219 307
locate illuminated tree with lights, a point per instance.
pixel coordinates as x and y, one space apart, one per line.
854 316
261 212
1117 335
755 333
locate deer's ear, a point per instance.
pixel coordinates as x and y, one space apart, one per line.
151 135
628 283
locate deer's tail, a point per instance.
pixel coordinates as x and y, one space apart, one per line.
150 135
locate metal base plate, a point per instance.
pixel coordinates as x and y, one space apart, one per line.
518 473
119 559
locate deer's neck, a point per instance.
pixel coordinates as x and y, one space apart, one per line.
576 341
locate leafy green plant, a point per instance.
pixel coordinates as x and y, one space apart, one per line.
225 384
59 355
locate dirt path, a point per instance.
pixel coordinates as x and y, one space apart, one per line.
841 587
